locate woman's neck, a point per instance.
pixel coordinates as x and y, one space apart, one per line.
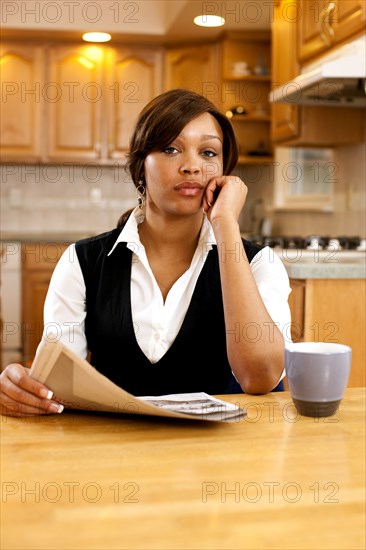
179 233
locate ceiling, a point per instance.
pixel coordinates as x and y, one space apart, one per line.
239 16
167 20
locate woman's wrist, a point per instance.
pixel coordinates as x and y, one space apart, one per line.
225 224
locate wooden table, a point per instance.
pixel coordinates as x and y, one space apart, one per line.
273 480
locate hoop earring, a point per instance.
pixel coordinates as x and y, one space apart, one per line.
141 192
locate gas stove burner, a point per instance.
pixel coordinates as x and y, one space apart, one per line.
294 242
312 241
334 243
349 243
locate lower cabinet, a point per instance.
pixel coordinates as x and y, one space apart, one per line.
38 263
332 310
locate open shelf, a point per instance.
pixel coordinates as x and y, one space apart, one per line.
248 159
249 77
250 118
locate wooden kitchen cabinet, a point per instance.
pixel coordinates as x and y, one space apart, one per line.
38 263
194 67
23 78
208 70
85 102
74 106
134 77
332 310
110 88
324 24
248 91
350 19
285 123
296 125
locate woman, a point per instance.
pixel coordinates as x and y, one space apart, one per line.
172 300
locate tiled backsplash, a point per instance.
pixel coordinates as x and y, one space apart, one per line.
348 217
90 198
51 198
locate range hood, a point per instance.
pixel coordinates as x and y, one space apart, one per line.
336 79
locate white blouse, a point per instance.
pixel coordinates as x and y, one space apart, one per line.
156 323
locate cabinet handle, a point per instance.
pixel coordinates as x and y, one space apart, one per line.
289 122
328 25
324 23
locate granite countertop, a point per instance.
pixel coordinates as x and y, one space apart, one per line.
327 265
345 265
324 271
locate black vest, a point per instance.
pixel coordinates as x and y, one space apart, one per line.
197 359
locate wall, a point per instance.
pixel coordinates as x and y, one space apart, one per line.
50 199
74 198
348 217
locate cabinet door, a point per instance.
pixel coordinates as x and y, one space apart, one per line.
350 19
22 83
316 20
38 263
285 117
134 78
325 23
35 286
335 312
195 68
305 125
297 307
74 97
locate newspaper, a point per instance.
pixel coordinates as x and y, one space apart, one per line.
78 385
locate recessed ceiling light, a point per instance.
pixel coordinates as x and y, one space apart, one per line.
209 21
96 37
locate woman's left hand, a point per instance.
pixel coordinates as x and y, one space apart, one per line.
224 197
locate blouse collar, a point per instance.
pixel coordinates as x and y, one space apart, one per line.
130 233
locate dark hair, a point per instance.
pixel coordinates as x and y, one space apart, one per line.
162 120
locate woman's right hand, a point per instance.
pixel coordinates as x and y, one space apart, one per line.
21 396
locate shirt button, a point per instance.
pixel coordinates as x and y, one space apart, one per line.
157 336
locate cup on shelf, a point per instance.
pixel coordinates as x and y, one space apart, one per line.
240 68
317 375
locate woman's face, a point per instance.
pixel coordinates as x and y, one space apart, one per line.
176 177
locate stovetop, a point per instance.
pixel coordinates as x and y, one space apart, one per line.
312 241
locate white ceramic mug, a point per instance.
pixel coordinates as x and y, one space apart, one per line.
317 375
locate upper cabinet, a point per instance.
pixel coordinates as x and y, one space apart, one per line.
233 73
68 102
244 89
323 24
65 102
350 19
134 77
23 79
193 67
74 97
296 125
285 66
